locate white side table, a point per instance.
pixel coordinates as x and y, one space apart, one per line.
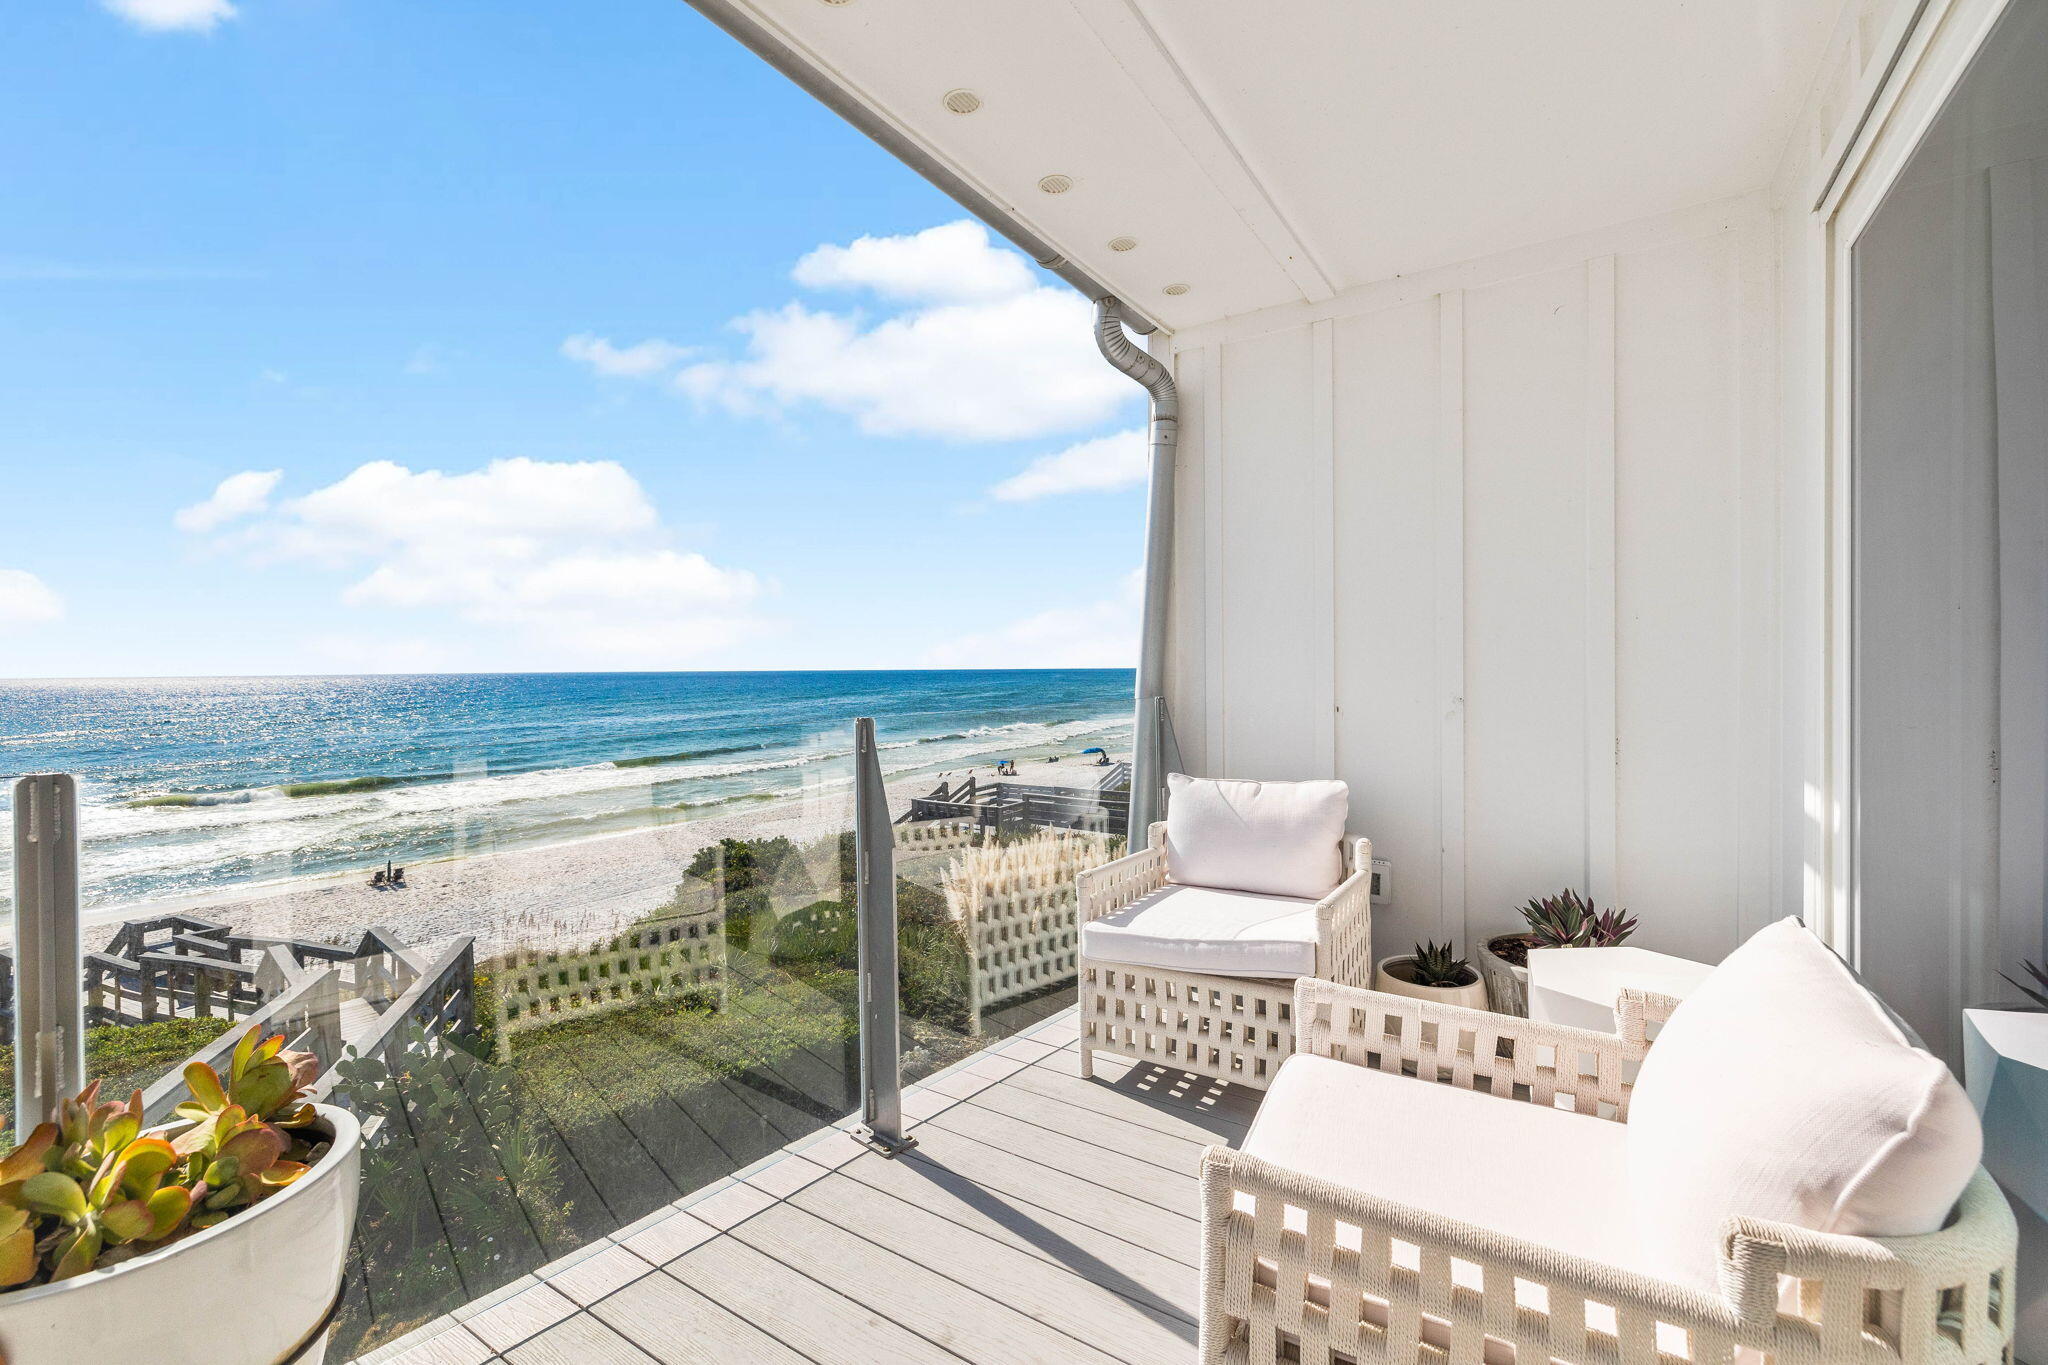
1578 986
2005 1063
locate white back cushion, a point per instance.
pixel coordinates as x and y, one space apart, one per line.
1781 1089
1274 838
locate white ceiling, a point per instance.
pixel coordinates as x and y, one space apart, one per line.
1269 151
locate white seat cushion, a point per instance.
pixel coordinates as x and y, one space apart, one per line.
1782 1089
1273 838
1545 1175
1202 929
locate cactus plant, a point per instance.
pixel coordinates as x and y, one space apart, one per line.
1438 964
93 1188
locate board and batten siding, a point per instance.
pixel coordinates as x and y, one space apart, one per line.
1497 546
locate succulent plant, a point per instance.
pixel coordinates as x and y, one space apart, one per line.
1568 920
92 1187
1438 964
2040 975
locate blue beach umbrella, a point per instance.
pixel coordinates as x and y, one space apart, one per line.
1091 751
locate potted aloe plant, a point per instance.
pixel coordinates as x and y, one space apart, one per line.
1434 971
1566 920
218 1237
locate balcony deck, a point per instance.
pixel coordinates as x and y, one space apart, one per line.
1040 1217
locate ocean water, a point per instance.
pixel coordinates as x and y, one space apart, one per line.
194 785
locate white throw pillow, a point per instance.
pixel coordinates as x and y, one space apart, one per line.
1782 1089
1273 838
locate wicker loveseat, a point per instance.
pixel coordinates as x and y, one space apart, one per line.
1190 947
1431 1183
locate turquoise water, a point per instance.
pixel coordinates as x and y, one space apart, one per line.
192 785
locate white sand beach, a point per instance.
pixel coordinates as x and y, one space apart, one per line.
549 894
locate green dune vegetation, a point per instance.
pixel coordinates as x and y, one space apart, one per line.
125 1057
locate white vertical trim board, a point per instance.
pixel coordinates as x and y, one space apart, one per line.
1450 613
1322 535
1603 740
1215 754
1767 788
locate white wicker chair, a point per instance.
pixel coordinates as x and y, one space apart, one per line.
1293 1264
1232 1028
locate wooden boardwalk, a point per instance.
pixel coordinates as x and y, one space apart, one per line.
1041 1218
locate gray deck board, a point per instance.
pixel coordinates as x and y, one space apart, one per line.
797 1310
581 1340
1047 1290
1047 1145
946 1312
1041 1217
1084 1249
675 1324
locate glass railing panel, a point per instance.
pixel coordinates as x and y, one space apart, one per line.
986 894
545 1038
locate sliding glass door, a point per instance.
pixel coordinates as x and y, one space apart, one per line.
1950 489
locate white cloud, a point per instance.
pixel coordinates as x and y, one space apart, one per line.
571 559
26 600
642 360
236 496
951 263
198 16
983 352
1102 634
1098 466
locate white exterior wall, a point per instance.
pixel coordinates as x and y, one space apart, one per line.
1545 553
1497 546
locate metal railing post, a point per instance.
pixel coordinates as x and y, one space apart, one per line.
874 850
49 949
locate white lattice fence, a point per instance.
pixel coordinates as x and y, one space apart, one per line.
666 958
935 836
1015 902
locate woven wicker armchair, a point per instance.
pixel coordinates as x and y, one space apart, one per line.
1233 1028
1296 1267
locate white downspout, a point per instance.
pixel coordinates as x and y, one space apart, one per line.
1148 778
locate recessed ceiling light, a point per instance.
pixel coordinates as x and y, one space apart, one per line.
959 101
1056 183
1123 244
1175 289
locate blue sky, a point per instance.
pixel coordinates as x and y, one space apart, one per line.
371 335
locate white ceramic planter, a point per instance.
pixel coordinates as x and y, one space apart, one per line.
1507 986
1471 997
248 1291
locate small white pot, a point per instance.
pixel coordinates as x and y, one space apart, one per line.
1471 997
254 1288
1507 986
